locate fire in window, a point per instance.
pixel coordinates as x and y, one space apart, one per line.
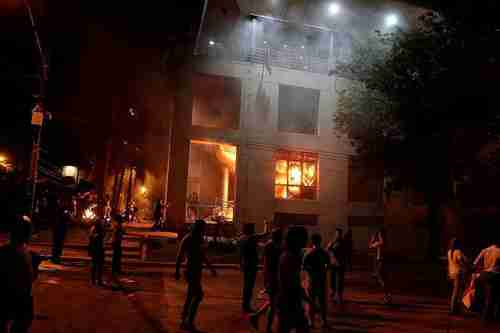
296 175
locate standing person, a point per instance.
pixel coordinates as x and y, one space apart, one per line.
272 253
192 247
164 214
18 270
456 273
348 249
316 264
291 314
249 263
338 251
116 244
488 264
374 263
60 227
133 211
107 207
379 243
157 215
96 251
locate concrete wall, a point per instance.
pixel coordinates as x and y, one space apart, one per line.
258 139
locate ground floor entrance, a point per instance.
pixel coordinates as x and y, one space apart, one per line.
211 185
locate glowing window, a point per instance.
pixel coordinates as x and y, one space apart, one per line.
296 175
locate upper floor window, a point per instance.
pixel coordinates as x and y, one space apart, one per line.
298 110
216 101
296 175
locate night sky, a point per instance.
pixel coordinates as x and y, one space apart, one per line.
93 50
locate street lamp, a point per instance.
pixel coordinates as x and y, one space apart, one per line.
334 9
391 20
4 163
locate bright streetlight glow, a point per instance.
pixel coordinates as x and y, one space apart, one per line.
143 190
3 159
211 43
391 20
334 8
70 171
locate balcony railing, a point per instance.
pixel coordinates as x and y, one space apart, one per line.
283 58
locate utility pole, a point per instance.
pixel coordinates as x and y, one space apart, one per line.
39 112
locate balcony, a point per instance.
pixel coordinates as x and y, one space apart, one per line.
275 57
268 41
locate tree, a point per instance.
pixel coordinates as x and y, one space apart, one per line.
424 102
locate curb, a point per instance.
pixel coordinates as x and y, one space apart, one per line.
82 246
145 264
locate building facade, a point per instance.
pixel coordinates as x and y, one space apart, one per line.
253 137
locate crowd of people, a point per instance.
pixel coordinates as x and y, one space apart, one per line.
295 277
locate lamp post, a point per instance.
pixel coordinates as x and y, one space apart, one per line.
38 112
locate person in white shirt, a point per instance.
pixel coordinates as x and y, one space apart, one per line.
457 266
488 264
485 261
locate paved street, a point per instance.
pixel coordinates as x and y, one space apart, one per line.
67 303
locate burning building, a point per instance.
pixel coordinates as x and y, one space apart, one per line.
252 137
242 131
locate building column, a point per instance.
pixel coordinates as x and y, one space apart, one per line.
179 152
241 209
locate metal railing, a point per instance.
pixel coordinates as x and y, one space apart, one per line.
283 58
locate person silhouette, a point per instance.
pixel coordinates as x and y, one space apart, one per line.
249 263
97 252
272 253
379 243
18 271
316 264
291 295
338 250
191 247
118 232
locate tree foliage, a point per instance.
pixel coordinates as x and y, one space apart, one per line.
425 101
